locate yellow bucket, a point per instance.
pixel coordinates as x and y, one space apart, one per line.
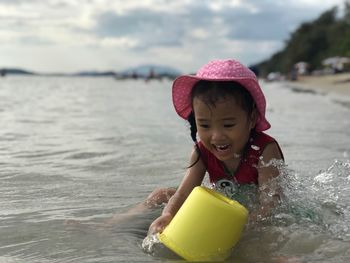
206 227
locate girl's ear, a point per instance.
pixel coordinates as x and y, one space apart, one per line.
253 118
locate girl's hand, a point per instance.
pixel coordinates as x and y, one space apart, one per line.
160 223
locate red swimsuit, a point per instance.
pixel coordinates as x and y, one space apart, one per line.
247 172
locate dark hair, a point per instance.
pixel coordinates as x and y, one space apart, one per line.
210 92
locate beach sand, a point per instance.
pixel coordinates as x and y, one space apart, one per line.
336 83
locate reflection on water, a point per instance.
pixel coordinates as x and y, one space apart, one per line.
87 148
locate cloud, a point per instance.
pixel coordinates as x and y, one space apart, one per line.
272 20
146 27
153 28
182 32
12 2
34 41
206 20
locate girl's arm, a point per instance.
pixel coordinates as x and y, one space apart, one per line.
194 177
269 191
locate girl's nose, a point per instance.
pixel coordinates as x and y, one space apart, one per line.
217 134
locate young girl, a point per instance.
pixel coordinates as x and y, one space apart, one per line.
225 107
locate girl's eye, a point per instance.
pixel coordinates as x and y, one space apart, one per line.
229 125
205 126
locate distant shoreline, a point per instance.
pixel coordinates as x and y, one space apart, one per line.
145 71
336 83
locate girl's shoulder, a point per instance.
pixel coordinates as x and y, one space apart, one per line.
260 141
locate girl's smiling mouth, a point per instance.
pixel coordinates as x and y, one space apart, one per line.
222 147
224 150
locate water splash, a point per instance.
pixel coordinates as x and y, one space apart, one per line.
149 243
153 246
311 220
254 147
332 189
320 200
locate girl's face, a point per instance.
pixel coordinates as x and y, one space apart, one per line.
224 129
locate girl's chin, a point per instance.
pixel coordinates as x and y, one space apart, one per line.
223 155
226 155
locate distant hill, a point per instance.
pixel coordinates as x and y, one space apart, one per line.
5 71
327 36
144 71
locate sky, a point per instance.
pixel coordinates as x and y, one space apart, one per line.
74 35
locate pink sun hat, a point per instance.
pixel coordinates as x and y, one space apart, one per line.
220 70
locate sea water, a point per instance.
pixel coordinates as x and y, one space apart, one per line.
85 149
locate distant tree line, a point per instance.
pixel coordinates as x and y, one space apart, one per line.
312 42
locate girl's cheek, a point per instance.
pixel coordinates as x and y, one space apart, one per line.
203 136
